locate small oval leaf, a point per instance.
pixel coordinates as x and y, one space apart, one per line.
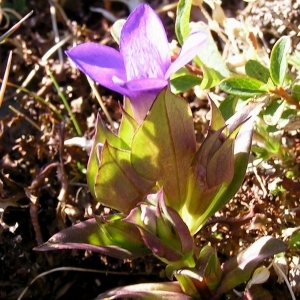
243 86
296 91
256 70
278 60
273 112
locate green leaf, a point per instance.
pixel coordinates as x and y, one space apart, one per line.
128 124
126 241
278 60
211 77
228 105
243 86
216 120
238 269
146 291
183 82
296 91
209 268
273 112
294 241
164 145
117 185
256 70
286 117
182 24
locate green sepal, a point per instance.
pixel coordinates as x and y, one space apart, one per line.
164 145
101 135
117 184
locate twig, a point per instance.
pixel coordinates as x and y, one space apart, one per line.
280 91
233 221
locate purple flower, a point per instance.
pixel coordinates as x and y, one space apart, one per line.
143 66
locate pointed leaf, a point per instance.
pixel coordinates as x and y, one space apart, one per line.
216 120
128 124
88 235
164 145
163 231
220 169
117 185
278 60
238 269
208 267
147 291
101 135
243 86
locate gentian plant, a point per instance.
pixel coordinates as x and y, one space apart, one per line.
163 186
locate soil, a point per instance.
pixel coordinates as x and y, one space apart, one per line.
42 177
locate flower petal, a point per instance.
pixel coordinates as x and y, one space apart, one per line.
191 46
146 84
101 63
144 45
141 103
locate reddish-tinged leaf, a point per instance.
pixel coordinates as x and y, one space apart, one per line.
89 236
147 291
117 184
238 269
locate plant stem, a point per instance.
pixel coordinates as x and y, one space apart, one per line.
65 102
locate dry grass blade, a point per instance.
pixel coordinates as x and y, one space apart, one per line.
14 28
98 97
5 78
17 112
